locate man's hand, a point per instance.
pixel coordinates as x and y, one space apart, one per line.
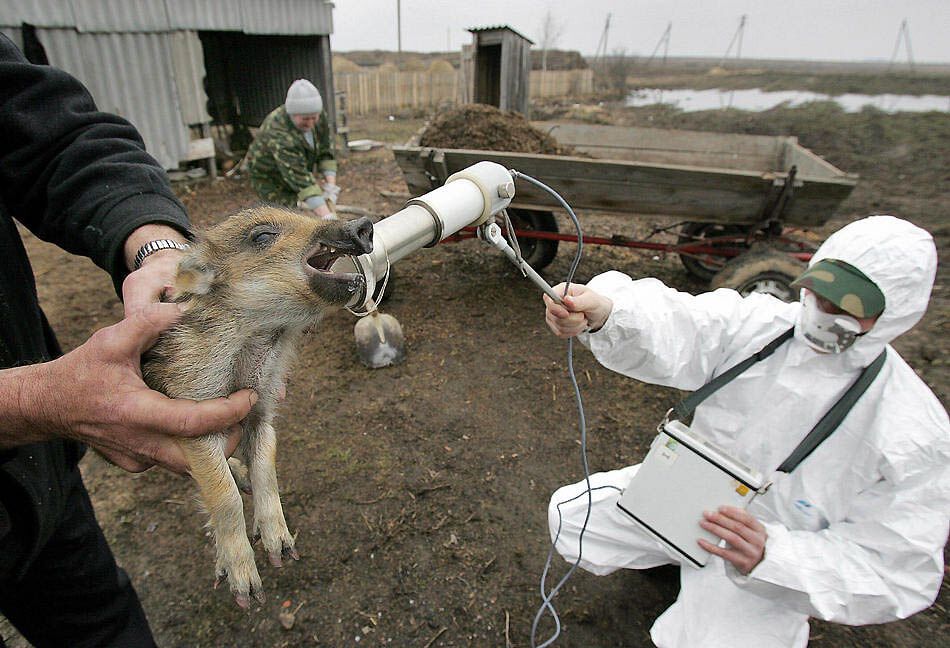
146 285
96 394
583 310
744 534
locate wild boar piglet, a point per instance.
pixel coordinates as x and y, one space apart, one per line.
251 286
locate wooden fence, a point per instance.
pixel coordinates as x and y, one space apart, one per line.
374 92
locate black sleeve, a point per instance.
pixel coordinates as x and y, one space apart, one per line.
75 176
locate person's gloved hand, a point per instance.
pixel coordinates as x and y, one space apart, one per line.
583 310
331 192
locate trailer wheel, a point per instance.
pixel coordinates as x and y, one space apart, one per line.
706 266
762 270
539 253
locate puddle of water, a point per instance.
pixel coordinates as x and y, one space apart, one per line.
756 100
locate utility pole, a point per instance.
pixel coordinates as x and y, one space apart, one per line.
903 33
665 42
601 52
737 38
398 26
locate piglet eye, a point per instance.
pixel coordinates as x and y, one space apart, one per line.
264 238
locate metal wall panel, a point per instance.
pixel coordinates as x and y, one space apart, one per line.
13 34
139 85
217 15
304 17
189 72
120 15
42 13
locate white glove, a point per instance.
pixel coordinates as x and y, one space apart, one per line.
331 192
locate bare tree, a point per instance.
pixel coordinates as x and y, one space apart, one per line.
551 32
617 69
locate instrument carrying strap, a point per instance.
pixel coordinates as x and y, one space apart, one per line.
822 430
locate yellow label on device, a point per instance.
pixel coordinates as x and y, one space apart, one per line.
742 489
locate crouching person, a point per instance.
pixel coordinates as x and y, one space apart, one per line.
855 533
295 140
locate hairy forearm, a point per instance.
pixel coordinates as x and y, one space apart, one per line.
23 417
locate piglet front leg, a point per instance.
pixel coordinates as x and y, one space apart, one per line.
221 498
269 521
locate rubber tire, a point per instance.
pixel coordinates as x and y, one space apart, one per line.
762 269
539 253
689 232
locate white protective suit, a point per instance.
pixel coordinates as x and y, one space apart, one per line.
856 532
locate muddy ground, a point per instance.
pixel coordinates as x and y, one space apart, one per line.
419 492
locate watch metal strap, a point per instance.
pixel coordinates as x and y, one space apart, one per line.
154 246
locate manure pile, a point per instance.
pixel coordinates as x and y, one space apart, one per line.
486 128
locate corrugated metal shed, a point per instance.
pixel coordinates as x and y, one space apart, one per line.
142 59
302 17
189 72
13 34
290 17
120 15
42 13
135 87
216 15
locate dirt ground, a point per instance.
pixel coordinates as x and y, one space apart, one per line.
419 492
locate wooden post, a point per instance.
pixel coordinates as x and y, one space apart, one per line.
378 102
212 162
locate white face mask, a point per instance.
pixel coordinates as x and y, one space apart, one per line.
824 332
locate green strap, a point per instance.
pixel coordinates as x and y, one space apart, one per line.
686 406
835 415
822 430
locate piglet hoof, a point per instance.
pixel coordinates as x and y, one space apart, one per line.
287 552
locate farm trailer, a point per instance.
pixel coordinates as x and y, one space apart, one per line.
740 197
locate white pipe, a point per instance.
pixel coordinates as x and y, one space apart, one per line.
469 197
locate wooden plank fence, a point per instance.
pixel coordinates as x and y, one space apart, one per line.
375 92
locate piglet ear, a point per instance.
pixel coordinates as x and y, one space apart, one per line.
195 274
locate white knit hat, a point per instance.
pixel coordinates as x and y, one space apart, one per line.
303 98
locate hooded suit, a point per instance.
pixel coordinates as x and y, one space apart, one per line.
856 532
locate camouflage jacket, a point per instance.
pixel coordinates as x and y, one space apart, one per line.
281 161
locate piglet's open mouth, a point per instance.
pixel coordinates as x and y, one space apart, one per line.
320 259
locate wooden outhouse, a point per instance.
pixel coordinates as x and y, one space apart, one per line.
501 68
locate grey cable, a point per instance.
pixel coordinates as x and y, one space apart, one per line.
547 597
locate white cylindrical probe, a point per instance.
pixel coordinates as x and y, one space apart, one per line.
469 197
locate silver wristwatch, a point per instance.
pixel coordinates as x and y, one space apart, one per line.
154 246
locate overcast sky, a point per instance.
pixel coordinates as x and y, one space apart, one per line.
837 30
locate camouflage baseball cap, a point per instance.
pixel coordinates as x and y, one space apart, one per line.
844 286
